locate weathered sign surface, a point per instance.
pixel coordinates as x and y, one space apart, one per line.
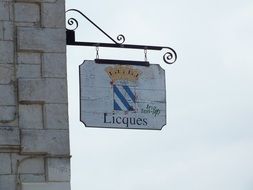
122 96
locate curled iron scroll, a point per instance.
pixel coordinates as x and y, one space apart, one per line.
121 39
170 56
74 22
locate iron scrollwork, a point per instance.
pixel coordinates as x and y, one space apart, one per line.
72 21
169 57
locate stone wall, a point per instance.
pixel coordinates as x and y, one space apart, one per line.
34 130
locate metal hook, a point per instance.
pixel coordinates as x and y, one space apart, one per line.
145 55
97 52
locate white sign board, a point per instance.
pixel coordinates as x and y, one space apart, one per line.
122 96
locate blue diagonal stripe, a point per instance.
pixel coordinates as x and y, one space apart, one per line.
116 106
130 93
122 98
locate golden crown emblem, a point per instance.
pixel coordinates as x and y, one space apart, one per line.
120 72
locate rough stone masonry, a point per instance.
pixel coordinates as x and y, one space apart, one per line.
34 130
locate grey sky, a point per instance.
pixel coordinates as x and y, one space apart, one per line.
208 140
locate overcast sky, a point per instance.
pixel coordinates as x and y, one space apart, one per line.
207 143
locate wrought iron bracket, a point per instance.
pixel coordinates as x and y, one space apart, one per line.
169 57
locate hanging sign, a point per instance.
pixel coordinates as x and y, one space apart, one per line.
122 96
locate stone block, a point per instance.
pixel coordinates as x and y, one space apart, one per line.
8 29
56 116
54 65
4 10
30 116
6 52
43 90
9 136
45 141
7 182
28 71
27 12
28 165
53 14
27 24
7 113
7 97
6 73
46 186
42 39
32 178
58 169
5 163
29 58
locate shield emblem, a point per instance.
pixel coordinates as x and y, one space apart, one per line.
124 98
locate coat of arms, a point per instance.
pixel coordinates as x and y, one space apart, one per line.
123 81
